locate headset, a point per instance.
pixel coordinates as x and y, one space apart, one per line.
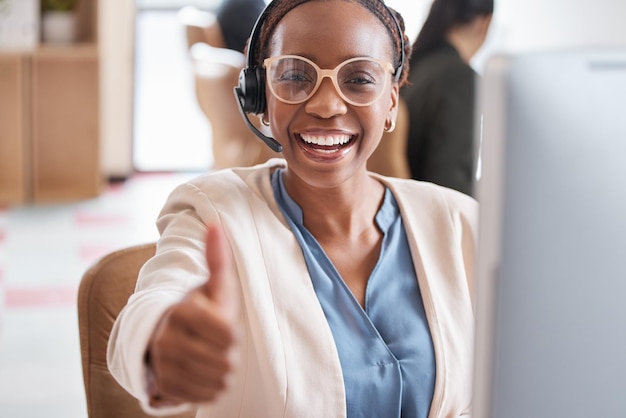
250 91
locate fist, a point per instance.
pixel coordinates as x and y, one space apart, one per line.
194 349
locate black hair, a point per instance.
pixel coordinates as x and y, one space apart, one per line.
443 15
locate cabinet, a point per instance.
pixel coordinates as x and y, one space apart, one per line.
64 120
14 161
49 119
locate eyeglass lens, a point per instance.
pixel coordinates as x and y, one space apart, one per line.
359 81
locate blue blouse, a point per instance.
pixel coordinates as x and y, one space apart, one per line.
386 351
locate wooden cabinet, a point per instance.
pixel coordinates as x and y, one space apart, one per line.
65 124
50 119
14 161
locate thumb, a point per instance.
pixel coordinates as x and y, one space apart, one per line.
220 287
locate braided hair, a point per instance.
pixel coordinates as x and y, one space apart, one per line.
385 14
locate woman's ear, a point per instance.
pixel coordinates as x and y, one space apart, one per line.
482 24
395 98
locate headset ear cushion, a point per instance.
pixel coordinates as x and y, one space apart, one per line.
251 90
260 90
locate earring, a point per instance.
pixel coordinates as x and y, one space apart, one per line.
390 125
264 121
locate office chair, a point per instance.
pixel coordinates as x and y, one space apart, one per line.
104 289
390 157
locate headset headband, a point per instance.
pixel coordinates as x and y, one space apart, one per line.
256 29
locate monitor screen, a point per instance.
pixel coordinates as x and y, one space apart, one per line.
551 267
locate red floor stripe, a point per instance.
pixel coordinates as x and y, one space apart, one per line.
115 188
40 297
89 253
86 218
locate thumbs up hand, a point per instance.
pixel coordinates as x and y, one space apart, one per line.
220 288
194 348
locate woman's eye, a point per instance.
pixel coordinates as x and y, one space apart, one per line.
294 76
361 78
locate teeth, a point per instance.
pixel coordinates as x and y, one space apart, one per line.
326 140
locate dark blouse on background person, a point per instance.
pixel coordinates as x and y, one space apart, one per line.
440 100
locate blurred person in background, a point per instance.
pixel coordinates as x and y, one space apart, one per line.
236 19
439 97
217 42
228 27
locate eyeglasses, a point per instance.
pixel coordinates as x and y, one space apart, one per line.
359 81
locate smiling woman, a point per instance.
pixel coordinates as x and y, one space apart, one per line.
170 132
372 281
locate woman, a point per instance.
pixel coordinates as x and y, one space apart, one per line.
440 93
331 291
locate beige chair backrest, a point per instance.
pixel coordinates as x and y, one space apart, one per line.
104 290
390 158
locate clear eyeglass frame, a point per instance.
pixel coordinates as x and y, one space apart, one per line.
330 73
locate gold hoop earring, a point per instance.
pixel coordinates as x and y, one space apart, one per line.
264 121
390 125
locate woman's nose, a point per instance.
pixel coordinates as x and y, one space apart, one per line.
326 102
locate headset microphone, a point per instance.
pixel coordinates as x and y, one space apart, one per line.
269 141
250 92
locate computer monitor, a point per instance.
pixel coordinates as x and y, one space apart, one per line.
551 266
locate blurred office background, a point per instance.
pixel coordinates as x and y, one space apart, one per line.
150 136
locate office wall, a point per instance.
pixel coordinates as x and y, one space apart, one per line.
547 24
527 25
539 25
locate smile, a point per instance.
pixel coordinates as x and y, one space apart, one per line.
326 140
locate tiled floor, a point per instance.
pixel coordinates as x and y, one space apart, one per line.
44 251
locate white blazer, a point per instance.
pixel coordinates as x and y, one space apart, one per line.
290 367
